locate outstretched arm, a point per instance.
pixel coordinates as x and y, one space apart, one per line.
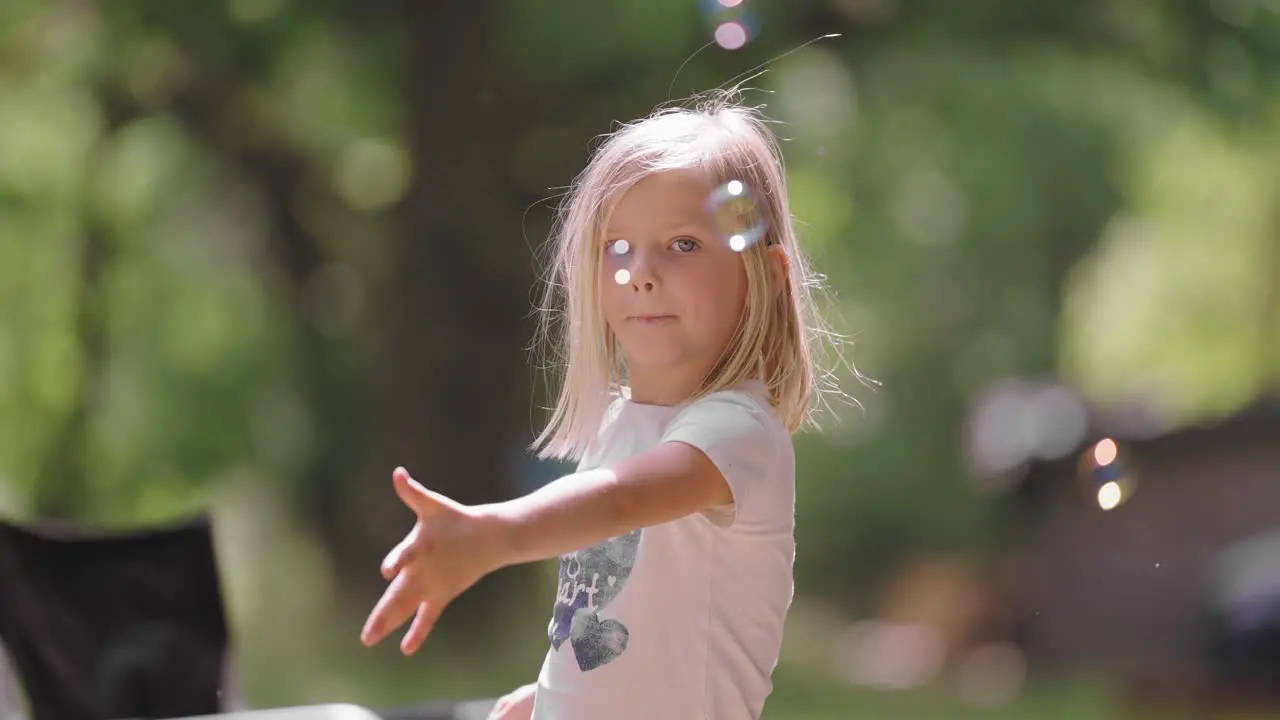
452 545
663 484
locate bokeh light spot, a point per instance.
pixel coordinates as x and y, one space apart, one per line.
1105 475
1104 453
731 35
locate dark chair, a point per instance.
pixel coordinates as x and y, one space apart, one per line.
102 626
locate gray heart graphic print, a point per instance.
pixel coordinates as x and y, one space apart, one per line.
590 580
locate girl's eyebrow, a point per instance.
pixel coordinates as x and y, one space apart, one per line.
687 229
683 227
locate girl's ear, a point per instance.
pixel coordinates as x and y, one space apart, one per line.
780 266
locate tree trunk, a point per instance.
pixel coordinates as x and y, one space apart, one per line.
452 381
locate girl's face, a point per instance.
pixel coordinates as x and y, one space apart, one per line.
673 292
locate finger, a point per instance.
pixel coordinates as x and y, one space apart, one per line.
391 563
411 492
421 500
421 626
395 560
395 606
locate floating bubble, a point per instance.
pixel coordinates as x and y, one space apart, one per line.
618 255
737 215
1105 475
731 35
732 23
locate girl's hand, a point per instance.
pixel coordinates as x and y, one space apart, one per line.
515 705
450 547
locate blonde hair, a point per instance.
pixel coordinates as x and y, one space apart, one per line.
781 336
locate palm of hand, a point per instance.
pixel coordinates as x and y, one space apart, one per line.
437 561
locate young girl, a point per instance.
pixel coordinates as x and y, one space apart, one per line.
690 342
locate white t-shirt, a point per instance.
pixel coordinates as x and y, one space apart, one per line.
684 619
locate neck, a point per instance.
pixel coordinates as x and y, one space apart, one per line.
664 385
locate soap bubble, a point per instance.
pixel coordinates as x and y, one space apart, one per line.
732 22
1105 475
618 255
737 215
731 35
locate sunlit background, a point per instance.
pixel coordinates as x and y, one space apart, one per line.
256 253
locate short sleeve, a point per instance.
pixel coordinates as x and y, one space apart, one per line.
744 441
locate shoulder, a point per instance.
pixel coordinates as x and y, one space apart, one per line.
738 430
744 403
740 415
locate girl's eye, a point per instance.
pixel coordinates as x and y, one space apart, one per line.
685 245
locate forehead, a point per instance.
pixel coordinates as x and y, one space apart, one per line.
665 199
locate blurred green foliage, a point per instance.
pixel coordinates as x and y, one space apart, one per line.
219 221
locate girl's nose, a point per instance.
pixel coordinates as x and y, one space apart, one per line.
642 275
